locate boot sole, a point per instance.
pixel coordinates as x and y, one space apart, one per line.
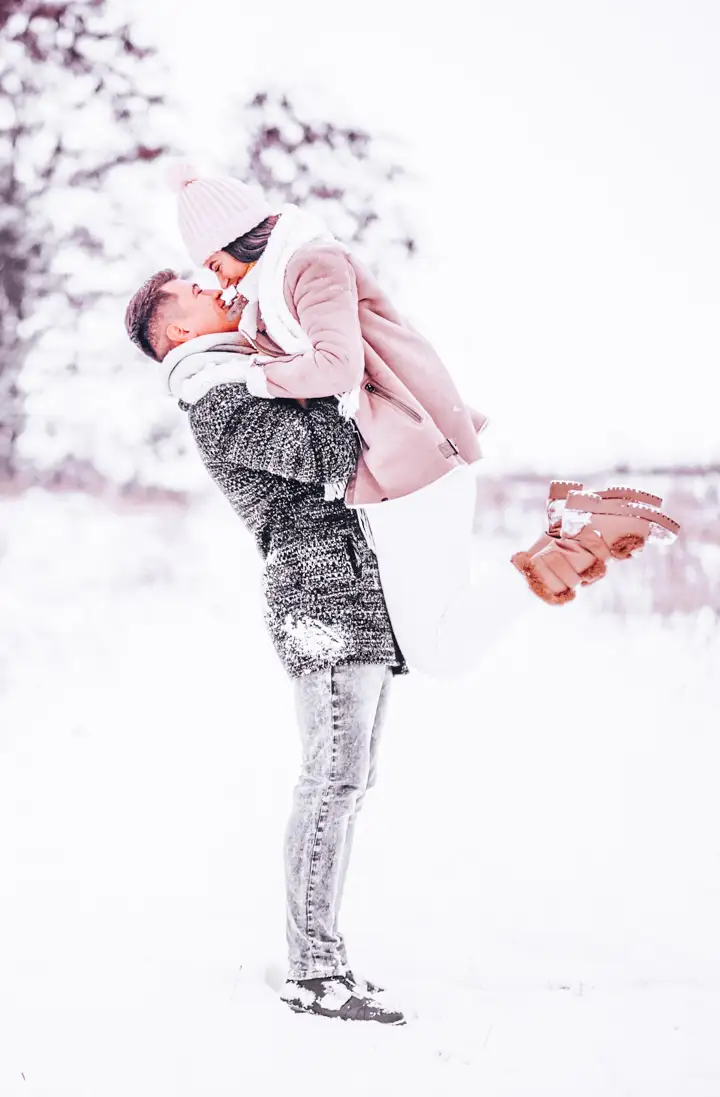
311 1012
560 490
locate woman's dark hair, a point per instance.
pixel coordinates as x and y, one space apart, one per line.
249 248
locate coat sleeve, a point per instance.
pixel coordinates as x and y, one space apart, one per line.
479 421
312 444
324 291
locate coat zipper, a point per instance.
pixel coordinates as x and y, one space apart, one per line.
384 395
251 341
352 551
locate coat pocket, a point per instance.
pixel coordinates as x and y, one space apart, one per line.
328 570
383 394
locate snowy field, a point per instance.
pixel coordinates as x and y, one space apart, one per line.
537 876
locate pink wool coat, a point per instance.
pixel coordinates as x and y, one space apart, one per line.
415 426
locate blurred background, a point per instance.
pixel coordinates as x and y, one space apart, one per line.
537 184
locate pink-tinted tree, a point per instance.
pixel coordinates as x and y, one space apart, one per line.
348 175
72 110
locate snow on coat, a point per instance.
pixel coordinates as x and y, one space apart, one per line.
324 605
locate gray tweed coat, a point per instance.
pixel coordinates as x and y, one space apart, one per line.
271 458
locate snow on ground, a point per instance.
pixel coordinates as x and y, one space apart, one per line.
537 875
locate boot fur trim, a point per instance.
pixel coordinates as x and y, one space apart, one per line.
524 564
591 575
624 547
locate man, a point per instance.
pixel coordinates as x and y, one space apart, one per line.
282 466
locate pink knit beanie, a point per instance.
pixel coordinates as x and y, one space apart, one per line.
214 212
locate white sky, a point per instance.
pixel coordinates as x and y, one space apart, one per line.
569 210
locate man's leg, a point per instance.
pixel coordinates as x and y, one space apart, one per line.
337 711
380 718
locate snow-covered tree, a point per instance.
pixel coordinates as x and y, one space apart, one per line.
74 108
97 413
301 154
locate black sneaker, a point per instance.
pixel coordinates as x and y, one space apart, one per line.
336 996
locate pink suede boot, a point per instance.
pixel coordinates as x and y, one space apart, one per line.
625 526
558 494
594 526
554 571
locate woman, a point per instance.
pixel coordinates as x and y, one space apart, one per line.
321 326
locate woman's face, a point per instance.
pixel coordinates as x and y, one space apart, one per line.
228 271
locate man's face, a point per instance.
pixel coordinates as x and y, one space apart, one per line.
198 312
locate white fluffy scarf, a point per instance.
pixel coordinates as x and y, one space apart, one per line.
194 368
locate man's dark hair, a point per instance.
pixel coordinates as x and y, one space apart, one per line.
249 248
144 315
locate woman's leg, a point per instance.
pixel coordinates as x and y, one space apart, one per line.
337 711
444 609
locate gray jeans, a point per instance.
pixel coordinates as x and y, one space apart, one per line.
340 711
